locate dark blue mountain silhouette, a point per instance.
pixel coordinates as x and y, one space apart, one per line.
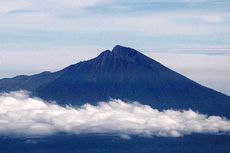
114 144
126 74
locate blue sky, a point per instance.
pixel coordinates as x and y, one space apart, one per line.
33 32
149 24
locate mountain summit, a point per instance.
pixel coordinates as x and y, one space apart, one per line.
123 73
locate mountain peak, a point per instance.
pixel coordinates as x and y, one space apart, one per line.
106 52
118 49
119 52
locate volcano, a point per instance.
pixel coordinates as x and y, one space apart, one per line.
126 74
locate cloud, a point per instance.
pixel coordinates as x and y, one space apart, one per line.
7 6
33 5
74 24
152 24
22 115
214 18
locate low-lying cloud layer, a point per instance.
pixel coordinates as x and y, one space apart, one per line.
22 115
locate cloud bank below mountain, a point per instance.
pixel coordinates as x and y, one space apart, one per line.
21 115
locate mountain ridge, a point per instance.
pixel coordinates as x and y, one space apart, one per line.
126 74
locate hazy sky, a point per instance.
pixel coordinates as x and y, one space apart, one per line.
190 36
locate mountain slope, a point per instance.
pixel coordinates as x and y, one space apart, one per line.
126 74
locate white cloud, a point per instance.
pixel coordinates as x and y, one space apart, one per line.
31 5
154 24
8 6
32 17
21 115
213 18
